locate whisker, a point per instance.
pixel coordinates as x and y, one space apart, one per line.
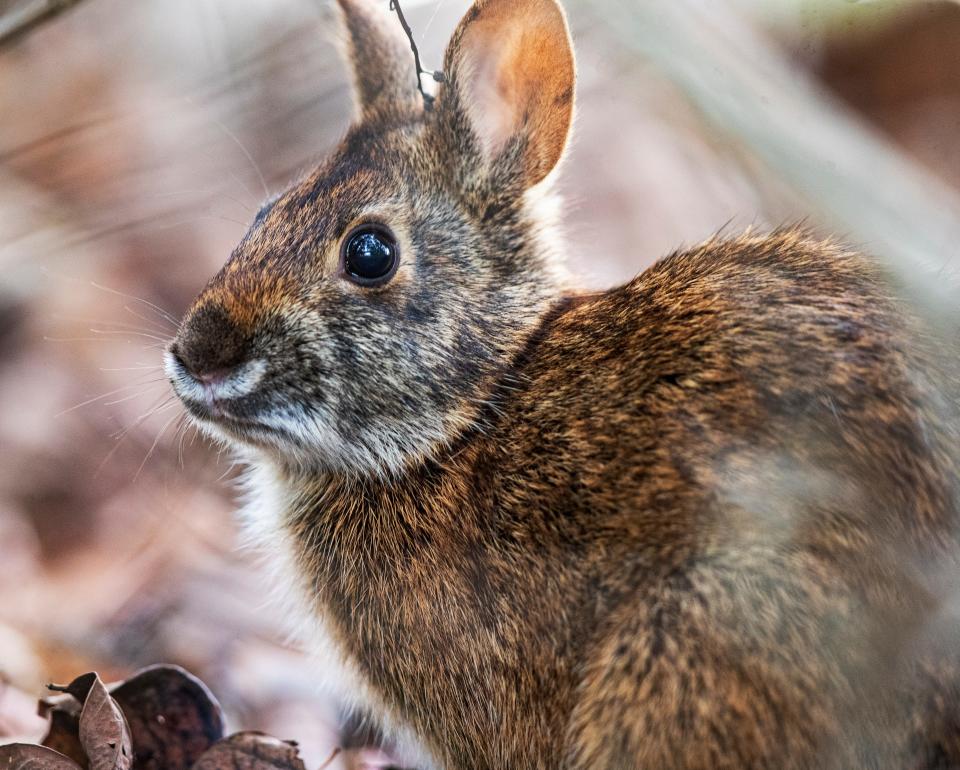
157 326
111 340
138 368
208 194
243 149
236 140
198 218
153 329
165 314
146 384
122 435
228 471
181 433
246 188
124 399
164 403
153 446
155 408
163 340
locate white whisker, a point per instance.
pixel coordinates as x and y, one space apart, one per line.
208 194
181 433
118 332
199 218
144 385
156 408
138 368
164 328
243 149
122 325
153 446
163 313
124 399
112 340
121 435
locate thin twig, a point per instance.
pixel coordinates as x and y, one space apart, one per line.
435 74
22 19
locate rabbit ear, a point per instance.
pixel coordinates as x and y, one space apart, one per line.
510 72
379 52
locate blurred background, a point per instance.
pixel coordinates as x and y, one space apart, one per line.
136 141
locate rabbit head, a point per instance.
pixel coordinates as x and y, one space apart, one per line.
362 319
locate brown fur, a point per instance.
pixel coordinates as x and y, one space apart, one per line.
588 578
705 520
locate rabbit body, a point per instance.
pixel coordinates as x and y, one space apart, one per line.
704 520
695 530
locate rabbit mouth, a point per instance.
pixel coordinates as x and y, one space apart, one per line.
229 397
235 407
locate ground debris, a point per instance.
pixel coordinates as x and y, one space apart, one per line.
161 718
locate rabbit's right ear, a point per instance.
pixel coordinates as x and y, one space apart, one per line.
510 84
379 52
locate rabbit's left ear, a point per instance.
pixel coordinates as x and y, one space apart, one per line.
510 82
379 52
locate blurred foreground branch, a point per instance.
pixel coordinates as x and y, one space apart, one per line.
869 190
19 18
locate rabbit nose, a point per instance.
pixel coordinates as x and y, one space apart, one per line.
211 346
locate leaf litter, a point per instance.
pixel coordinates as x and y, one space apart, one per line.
161 718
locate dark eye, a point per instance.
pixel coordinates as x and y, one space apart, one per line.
370 255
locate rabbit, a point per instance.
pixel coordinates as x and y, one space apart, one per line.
707 519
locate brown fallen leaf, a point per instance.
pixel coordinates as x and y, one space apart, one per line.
251 751
162 718
173 717
104 733
22 756
63 735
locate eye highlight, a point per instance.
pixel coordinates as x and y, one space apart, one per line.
370 254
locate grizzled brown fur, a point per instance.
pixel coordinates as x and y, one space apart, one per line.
708 519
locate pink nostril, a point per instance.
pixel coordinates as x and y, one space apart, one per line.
215 377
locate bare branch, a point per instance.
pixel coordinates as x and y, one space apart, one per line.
24 17
436 75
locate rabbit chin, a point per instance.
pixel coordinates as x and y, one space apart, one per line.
312 441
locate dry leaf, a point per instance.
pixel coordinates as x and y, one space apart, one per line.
163 714
77 689
22 756
251 751
104 733
173 717
64 735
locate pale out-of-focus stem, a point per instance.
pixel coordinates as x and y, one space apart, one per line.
19 18
852 178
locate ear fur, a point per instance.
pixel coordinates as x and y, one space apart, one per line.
379 54
510 71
